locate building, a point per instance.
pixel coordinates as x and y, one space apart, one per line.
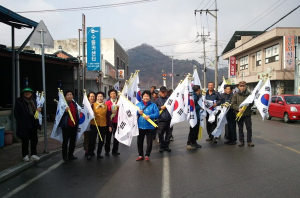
256 54
114 61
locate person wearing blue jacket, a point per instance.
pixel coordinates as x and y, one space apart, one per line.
145 128
193 134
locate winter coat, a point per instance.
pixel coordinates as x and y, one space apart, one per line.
237 99
64 119
151 111
197 106
215 96
25 122
165 115
109 105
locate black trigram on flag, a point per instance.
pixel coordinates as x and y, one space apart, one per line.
192 117
265 110
180 111
134 94
191 93
128 113
177 95
170 102
122 125
267 88
257 95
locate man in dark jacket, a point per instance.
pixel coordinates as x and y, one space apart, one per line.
214 96
193 134
237 99
163 121
230 127
27 125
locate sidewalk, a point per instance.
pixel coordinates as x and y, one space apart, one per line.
11 160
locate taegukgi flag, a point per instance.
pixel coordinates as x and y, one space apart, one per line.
263 99
86 114
127 121
61 107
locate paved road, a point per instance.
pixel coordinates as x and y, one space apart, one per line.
270 169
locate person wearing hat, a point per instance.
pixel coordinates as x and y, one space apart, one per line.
154 95
237 99
164 131
27 125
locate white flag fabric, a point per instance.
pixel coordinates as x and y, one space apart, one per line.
169 104
138 91
251 97
86 114
125 90
221 88
192 116
186 96
132 89
40 99
196 78
221 121
263 99
178 112
61 107
127 122
117 86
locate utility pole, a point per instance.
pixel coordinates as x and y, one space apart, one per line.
172 74
296 81
203 39
78 68
83 52
216 38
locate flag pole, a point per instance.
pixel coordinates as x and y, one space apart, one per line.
84 92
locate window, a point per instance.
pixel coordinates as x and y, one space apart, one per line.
279 99
272 54
244 63
258 58
273 99
118 62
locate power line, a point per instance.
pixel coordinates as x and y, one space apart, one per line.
199 5
90 7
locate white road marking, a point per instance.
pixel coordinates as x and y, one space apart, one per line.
16 190
165 189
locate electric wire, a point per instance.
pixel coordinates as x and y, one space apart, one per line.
89 7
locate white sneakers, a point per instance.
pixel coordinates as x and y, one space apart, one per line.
33 157
26 158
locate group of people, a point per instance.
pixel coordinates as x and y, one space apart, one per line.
152 107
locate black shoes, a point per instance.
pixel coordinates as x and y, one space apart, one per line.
161 150
72 157
107 153
100 156
167 149
115 153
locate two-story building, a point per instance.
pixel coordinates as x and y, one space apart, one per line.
254 55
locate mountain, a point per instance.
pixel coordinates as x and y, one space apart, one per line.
153 64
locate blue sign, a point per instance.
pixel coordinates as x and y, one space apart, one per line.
93 49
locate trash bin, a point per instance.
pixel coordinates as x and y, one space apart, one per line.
2 129
8 137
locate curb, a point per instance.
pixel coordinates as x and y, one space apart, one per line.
12 171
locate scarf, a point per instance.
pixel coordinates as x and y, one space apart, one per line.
113 107
30 105
99 105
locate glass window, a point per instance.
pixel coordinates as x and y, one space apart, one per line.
279 99
273 99
292 99
272 53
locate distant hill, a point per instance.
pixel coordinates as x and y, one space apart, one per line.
152 64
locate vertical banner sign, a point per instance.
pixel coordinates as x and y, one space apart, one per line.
232 66
289 52
121 73
93 49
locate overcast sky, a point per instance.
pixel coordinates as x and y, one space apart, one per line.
160 23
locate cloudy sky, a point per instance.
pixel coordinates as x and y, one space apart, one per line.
168 25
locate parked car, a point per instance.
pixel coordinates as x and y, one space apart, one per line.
286 106
253 109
